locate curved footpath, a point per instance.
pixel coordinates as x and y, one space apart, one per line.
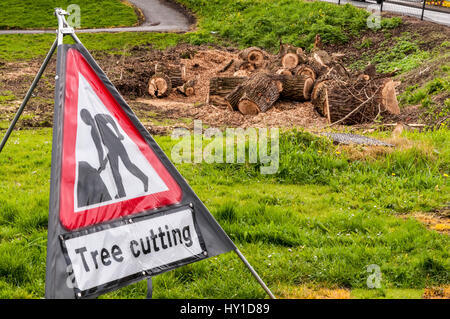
164 16
160 16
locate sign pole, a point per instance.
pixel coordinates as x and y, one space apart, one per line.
254 273
28 95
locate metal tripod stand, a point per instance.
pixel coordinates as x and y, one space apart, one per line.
63 30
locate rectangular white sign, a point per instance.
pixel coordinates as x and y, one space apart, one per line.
118 252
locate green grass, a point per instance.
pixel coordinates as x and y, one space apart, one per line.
404 55
245 23
321 220
264 23
32 14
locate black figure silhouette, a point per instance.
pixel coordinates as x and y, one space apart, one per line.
112 140
90 188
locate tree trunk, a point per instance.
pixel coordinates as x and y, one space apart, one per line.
174 73
305 71
187 88
245 66
253 55
222 86
290 60
159 85
283 72
355 102
256 94
297 88
260 92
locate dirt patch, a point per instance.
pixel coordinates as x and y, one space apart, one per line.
430 34
437 293
438 220
304 292
130 71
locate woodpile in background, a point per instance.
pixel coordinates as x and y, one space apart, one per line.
255 80
166 78
260 79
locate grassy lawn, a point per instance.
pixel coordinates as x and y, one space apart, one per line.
31 14
321 220
329 211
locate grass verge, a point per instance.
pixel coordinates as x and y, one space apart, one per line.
320 221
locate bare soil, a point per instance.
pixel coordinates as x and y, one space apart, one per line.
131 70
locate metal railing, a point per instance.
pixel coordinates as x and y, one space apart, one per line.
417 8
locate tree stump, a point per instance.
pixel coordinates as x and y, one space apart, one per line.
159 85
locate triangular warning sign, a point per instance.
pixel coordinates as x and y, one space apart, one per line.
119 210
108 168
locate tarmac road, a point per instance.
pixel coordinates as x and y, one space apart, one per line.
160 16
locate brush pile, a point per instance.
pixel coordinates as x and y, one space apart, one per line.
260 79
253 80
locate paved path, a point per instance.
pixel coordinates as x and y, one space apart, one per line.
433 16
163 17
159 17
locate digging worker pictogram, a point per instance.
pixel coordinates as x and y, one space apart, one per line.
112 140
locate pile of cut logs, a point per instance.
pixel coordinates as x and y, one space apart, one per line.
168 77
260 79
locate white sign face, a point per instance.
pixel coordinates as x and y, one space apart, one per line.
118 252
110 168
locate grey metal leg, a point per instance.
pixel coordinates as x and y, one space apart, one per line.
28 95
149 288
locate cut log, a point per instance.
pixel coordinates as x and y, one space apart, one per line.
233 98
318 97
222 86
290 60
283 71
306 71
322 57
245 65
159 85
253 55
260 92
227 66
355 102
297 88
241 73
175 73
317 68
256 94
187 88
